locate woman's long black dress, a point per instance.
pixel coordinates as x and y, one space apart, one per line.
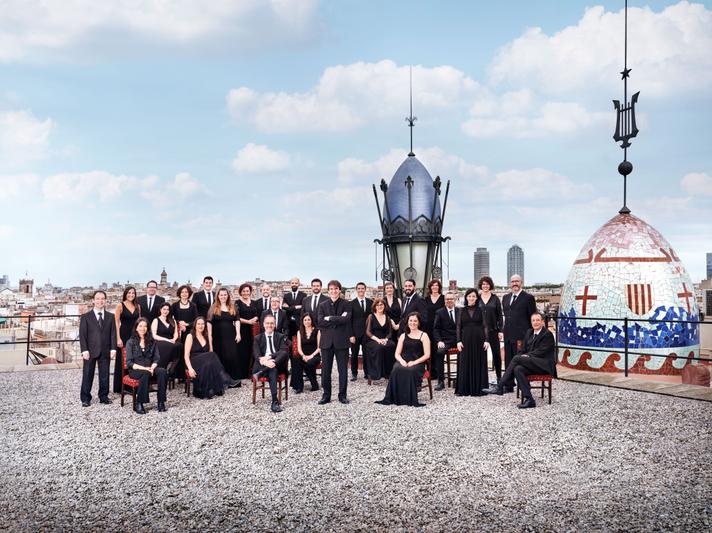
472 360
167 351
244 347
380 357
211 378
187 314
299 367
127 319
404 381
493 319
224 344
394 312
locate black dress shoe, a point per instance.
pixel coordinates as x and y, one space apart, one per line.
314 388
162 407
234 383
139 409
106 400
495 390
354 377
298 391
276 408
344 400
440 385
324 401
528 403
86 404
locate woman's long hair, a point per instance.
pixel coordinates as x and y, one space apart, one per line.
470 291
148 338
302 328
228 303
416 315
126 294
193 331
169 316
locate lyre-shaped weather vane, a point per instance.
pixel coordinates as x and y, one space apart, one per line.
411 119
626 127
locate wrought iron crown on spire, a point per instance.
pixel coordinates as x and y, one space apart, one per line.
626 128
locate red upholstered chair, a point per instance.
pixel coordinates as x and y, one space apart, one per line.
127 382
260 383
451 362
545 381
295 351
427 376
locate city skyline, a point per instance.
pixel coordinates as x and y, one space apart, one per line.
234 143
481 263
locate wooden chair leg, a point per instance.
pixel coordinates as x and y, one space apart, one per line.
543 384
133 396
279 392
550 384
254 392
262 386
430 387
122 395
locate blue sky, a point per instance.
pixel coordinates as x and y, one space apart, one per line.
242 138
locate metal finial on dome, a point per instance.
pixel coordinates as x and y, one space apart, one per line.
411 119
626 128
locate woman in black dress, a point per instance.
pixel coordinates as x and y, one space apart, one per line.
202 363
223 328
434 301
165 333
492 309
247 311
308 354
411 353
472 345
394 309
184 311
380 348
125 316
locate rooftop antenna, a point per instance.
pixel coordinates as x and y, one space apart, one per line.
411 119
626 128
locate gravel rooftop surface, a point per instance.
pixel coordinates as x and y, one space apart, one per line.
597 459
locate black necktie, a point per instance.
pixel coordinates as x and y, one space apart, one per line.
264 303
150 303
407 302
276 315
452 316
514 299
101 320
271 346
314 303
210 298
363 305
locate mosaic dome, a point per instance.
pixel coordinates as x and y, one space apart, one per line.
628 270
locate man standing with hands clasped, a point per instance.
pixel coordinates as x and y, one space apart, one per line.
97 341
334 321
518 307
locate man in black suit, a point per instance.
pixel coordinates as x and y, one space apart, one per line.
517 307
311 302
360 309
264 302
204 298
280 317
537 356
292 304
150 302
269 350
444 336
334 321
97 341
412 303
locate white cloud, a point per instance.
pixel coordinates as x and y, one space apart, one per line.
258 159
697 183
347 96
23 137
32 28
670 51
14 186
517 114
534 184
5 231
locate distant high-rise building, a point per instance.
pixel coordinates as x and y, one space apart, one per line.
5 282
482 264
709 265
515 262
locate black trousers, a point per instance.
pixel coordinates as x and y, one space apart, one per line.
271 374
510 350
299 368
342 364
144 382
88 378
360 344
520 367
439 360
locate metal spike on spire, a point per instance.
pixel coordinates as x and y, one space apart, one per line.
411 119
626 127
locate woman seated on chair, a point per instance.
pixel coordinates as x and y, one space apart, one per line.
308 357
202 363
166 334
380 348
142 363
412 352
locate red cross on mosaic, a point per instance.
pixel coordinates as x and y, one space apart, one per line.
585 297
686 294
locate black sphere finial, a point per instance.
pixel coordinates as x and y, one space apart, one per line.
625 168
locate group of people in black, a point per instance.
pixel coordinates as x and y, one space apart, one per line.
209 338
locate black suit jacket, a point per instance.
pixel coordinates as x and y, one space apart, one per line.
517 317
282 321
418 305
359 316
292 302
336 331
543 346
307 307
97 341
155 310
201 302
259 348
259 305
444 329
